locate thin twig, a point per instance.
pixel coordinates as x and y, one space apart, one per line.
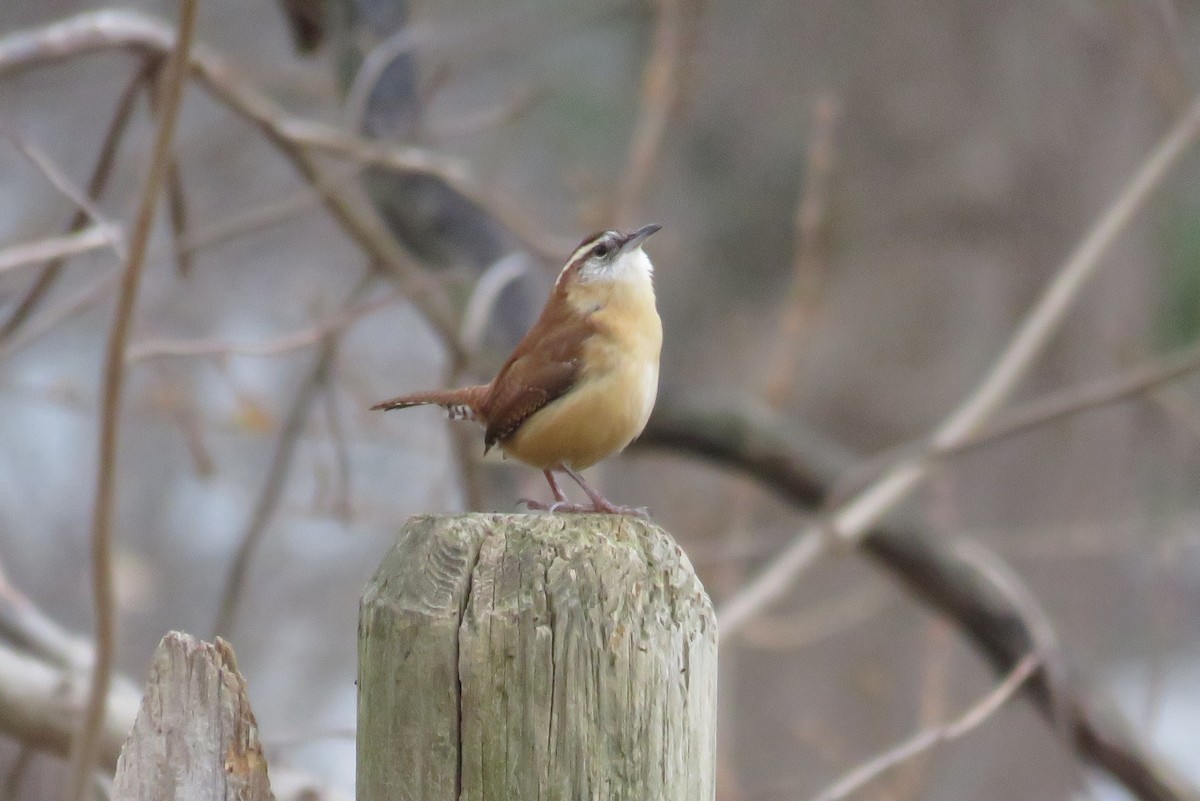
796 313
659 101
1053 407
177 210
486 292
95 187
177 203
272 491
85 754
58 179
803 629
928 738
809 256
409 159
102 30
16 774
1072 400
84 240
939 638
265 215
214 234
278 472
304 338
342 500
77 303
1044 640
852 521
487 118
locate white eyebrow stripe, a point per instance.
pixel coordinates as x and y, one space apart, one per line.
578 254
584 249
591 243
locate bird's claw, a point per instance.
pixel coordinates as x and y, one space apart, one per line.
557 506
613 509
568 507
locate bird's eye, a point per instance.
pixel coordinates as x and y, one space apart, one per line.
602 250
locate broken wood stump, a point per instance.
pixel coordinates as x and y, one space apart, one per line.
536 656
195 736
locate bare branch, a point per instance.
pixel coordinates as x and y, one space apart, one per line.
177 203
66 187
851 521
216 233
674 35
95 187
796 312
808 259
43 676
52 248
1149 376
486 292
265 215
40 705
304 338
802 466
278 472
928 738
102 30
76 304
805 628
405 158
1073 400
487 118
342 504
177 212
83 759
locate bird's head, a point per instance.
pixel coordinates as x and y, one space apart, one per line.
610 256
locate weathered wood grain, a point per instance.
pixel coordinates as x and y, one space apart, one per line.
536 657
195 738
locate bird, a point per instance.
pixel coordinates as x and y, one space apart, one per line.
580 385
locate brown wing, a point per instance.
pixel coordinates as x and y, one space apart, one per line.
544 366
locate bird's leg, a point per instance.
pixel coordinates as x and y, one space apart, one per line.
602 504
561 502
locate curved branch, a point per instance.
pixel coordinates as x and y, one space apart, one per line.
851 520
280 468
87 747
803 466
92 32
95 187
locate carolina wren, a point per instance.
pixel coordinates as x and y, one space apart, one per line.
581 383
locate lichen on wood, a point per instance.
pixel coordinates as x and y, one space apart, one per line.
536 656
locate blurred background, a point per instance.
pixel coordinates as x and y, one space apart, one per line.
860 202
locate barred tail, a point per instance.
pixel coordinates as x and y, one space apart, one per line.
461 403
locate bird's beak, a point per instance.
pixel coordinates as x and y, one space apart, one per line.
636 239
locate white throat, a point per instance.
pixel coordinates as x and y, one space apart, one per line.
634 267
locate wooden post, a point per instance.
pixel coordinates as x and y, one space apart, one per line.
195 736
536 657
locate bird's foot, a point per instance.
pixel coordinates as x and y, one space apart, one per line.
601 507
600 504
605 507
556 506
